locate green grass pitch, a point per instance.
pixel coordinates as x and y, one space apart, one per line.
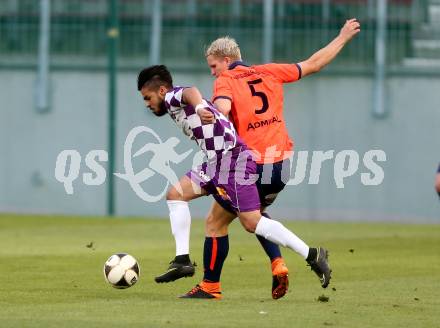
384 275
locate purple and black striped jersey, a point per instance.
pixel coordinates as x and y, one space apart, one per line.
214 139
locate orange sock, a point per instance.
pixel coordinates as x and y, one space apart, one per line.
279 266
211 287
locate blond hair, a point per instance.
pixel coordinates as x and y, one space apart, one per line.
224 47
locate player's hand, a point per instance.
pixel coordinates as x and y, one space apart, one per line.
350 29
206 116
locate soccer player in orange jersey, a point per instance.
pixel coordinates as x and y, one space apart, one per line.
252 96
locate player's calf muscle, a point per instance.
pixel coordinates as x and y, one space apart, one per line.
216 230
217 226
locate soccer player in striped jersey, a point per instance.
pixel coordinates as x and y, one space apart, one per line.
229 174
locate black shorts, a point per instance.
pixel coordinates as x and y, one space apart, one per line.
272 179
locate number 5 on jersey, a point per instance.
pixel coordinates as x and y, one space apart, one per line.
259 94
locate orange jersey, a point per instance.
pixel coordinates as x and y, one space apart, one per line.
256 94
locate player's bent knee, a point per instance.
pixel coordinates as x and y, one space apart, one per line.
249 225
173 194
249 220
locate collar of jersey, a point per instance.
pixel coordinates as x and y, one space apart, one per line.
237 63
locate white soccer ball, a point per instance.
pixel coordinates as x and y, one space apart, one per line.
121 270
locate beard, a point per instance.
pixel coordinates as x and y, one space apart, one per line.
162 110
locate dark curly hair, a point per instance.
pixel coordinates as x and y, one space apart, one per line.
154 77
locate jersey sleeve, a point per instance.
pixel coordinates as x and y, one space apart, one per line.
174 102
173 98
286 73
221 89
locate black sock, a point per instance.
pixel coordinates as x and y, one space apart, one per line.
182 259
312 254
214 255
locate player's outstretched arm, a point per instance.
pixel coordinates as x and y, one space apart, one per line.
325 55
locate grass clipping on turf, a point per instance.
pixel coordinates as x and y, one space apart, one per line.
323 298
